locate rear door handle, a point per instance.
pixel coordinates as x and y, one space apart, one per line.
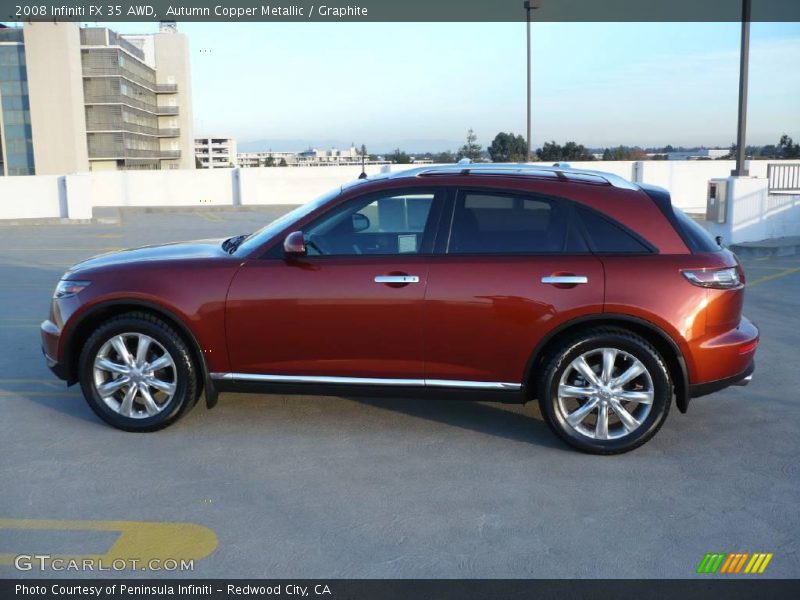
396 279
565 279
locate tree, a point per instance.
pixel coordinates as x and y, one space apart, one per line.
507 147
270 162
471 149
788 148
625 153
363 151
569 151
444 157
399 157
282 163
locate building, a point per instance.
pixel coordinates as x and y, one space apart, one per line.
269 158
78 99
699 154
215 152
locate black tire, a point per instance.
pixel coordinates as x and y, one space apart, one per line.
186 380
631 345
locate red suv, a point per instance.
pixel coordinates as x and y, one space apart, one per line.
580 289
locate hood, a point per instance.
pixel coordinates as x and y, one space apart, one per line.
177 251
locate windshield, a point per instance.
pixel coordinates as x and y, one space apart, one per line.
266 233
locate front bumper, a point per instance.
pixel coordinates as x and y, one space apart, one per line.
50 338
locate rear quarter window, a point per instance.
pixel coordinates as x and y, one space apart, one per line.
608 237
697 238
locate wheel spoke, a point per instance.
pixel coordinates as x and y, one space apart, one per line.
572 391
109 387
584 369
149 404
632 373
601 427
626 418
609 358
126 407
164 386
119 345
576 417
162 362
142 348
109 365
642 397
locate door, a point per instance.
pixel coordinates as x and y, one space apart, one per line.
513 267
353 306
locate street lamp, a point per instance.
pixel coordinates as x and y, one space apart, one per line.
529 5
744 59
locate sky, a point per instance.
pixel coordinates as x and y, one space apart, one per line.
420 86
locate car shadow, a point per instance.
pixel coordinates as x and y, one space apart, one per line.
75 407
500 420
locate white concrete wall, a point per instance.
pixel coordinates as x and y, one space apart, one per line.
73 196
753 214
33 197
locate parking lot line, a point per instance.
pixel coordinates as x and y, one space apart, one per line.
143 541
766 278
213 218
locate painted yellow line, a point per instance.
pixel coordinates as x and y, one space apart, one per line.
758 562
210 217
773 276
138 540
752 562
765 563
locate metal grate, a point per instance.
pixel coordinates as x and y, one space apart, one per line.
783 178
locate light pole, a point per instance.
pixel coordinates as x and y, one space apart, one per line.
744 60
529 6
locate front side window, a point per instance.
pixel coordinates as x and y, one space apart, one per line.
500 223
378 224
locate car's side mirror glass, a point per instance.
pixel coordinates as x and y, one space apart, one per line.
294 244
360 222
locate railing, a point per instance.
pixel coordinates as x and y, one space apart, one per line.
120 99
120 125
166 88
117 71
169 132
166 110
784 179
120 152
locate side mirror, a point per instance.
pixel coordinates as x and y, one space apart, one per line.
294 244
360 222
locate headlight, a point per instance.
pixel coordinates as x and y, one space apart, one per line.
719 279
67 288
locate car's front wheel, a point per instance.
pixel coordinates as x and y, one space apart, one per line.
137 373
605 391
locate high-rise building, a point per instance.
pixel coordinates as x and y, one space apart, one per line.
215 152
77 99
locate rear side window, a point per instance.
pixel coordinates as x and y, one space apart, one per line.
697 238
499 223
607 237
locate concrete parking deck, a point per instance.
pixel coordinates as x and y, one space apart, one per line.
276 486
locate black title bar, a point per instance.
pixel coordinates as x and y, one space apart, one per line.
397 10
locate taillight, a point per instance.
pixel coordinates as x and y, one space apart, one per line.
718 279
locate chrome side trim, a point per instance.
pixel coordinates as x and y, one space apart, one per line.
451 383
478 385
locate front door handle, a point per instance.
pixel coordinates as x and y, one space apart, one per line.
396 279
565 279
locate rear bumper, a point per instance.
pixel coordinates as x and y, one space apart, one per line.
703 389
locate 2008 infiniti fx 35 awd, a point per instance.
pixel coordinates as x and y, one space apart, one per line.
591 294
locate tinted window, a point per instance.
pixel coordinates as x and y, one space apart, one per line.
697 238
493 223
607 237
378 224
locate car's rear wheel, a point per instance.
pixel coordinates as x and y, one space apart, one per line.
137 373
605 391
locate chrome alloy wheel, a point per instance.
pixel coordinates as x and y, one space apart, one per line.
135 375
605 394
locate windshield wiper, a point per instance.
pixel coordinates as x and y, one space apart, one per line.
231 244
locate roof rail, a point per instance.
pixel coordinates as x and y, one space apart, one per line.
557 171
